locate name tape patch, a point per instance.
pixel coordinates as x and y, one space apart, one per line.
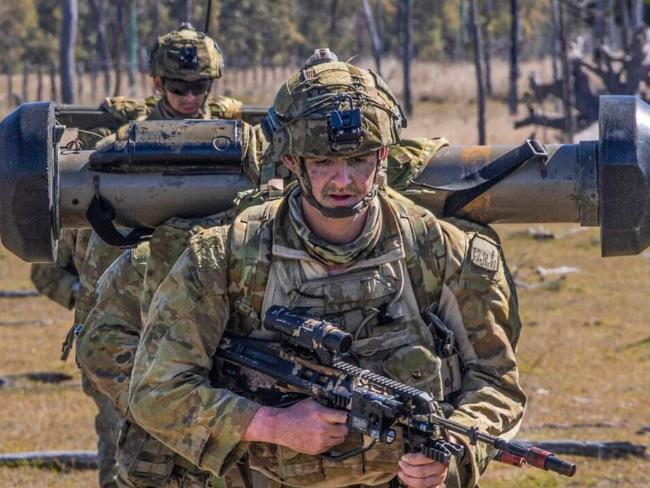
484 254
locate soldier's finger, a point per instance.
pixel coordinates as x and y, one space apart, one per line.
337 430
423 470
332 416
416 459
429 482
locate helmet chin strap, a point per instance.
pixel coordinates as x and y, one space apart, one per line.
336 212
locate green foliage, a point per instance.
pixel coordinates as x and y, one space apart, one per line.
272 32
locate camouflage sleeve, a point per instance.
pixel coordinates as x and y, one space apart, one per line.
107 344
479 304
225 107
59 280
99 256
171 396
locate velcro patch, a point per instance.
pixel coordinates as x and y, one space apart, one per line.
484 254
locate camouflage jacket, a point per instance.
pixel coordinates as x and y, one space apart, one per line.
59 281
209 290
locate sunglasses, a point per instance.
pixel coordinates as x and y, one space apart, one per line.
182 88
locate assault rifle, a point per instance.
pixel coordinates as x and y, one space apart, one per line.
305 362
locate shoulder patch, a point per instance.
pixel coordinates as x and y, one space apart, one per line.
484 253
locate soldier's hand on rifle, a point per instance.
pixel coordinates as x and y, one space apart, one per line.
418 471
305 427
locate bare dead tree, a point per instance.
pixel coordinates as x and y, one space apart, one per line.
475 32
407 28
101 46
39 83
67 54
513 98
118 46
486 13
133 46
53 89
187 11
10 85
24 94
156 10
375 40
334 7
567 91
554 40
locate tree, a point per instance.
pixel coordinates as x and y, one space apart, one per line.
67 52
375 40
407 24
477 43
101 46
513 98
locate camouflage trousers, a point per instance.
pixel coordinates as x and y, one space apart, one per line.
107 424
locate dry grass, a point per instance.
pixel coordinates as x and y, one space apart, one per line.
584 350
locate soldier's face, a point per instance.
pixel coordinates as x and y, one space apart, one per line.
340 182
184 98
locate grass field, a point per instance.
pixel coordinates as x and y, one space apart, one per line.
584 352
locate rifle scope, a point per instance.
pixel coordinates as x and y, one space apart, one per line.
306 332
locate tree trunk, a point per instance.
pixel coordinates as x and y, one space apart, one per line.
10 86
513 98
53 90
67 54
24 94
187 11
101 46
475 30
555 35
567 89
118 47
407 23
333 18
375 40
39 83
80 81
626 28
155 21
133 45
636 14
488 6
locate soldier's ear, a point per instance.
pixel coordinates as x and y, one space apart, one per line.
383 153
291 163
158 84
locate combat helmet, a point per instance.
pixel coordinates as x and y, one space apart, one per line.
331 108
186 54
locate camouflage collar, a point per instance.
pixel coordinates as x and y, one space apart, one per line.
379 242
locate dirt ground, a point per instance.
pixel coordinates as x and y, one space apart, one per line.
584 351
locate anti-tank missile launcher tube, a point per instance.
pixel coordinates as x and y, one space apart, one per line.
604 182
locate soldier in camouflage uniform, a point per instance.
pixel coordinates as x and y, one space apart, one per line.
183 65
337 247
107 345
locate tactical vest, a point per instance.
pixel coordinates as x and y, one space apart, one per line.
380 300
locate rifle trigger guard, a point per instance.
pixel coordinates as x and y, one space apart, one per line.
348 454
